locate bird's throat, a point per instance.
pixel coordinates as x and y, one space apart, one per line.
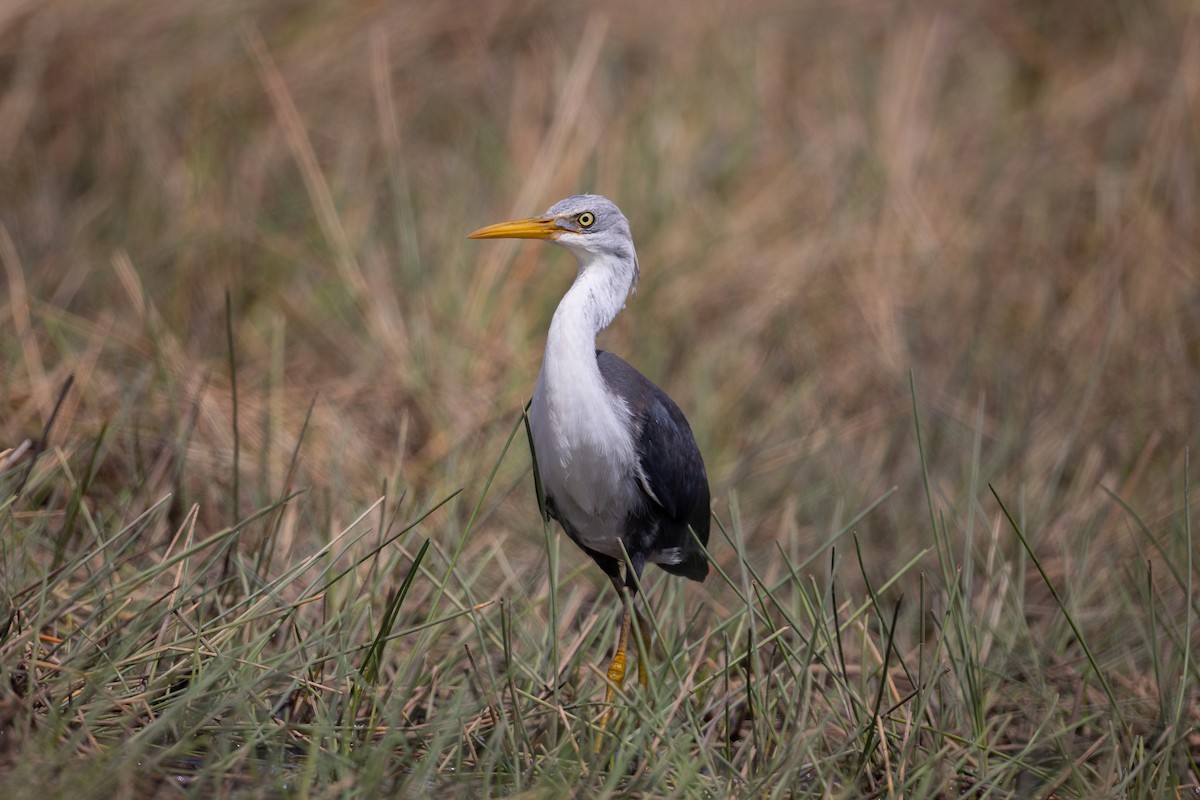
596 297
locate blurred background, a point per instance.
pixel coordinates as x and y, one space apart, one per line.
996 203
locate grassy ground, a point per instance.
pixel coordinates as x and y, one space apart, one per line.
925 278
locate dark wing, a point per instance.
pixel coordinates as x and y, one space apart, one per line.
675 482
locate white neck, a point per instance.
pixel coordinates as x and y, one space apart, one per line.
581 431
592 302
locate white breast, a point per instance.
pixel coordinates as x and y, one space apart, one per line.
586 458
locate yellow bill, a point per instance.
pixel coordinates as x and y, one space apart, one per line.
530 228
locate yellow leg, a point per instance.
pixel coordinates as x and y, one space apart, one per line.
616 670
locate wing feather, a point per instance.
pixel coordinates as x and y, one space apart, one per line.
671 469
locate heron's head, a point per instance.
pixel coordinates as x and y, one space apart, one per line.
588 225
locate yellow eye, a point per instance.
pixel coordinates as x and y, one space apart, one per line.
586 219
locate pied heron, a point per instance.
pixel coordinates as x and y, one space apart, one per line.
619 467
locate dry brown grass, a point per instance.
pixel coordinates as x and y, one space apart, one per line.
1000 199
